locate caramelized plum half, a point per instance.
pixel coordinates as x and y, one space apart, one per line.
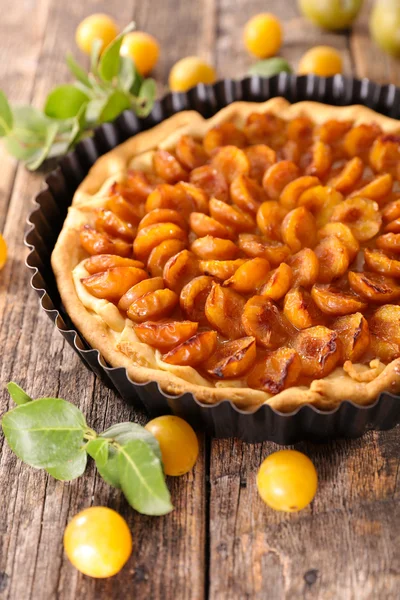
247 194
257 246
361 215
221 269
276 372
180 269
305 267
113 284
168 167
333 259
319 349
299 229
353 332
384 326
380 262
269 219
160 255
300 309
138 290
375 287
232 359
263 320
231 162
229 215
249 276
151 236
334 301
102 262
292 191
278 282
194 295
95 242
225 134
224 308
213 248
165 336
153 306
194 351
277 177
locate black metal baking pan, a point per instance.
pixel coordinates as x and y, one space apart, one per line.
222 419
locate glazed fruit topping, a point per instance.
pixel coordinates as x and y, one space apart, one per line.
114 283
232 359
279 370
263 320
223 309
319 349
266 252
194 351
165 335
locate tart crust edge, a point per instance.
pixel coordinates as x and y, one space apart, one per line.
324 393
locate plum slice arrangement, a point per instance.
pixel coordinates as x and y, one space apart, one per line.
267 253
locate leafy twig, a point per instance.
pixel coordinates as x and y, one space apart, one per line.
71 111
52 434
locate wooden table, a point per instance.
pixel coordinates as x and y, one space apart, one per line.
221 542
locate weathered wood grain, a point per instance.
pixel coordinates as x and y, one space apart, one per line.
18 71
344 546
221 541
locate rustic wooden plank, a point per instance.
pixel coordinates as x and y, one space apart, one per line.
344 546
18 71
169 551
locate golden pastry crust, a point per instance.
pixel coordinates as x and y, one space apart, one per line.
108 331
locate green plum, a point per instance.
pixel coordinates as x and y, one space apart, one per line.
331 14
384 25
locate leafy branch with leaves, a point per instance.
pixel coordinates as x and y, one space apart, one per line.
73 110
52 434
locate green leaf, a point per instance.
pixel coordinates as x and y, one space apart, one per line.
78 126
117 102
146 97
122 433
98 450
126 74
109 64
77 70
93 110
17 393
45 432
29 122
36 160
95 55
137 82
270 67
29 132
142 479
71 469
19 149
109 471
65 102
6 117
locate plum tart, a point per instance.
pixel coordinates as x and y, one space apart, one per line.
253 256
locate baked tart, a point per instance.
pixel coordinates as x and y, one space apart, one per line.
253 256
